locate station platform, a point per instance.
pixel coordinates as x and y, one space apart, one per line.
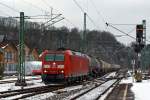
121 92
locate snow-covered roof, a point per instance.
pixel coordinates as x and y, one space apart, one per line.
4 46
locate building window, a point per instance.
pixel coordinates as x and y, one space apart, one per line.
8 56
11 67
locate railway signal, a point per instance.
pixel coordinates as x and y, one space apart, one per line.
140 43
139 38
139 31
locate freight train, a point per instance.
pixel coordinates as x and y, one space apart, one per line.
69 66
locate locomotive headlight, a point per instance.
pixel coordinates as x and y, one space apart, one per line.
60 66
46 66
62 71
45 71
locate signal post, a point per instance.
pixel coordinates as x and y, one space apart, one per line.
140 43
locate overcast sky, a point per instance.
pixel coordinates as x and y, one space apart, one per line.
111 11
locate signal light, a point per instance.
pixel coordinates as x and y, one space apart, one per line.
139 31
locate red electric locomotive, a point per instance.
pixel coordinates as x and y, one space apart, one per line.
66 66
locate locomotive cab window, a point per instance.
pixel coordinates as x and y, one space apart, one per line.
59 57
49 57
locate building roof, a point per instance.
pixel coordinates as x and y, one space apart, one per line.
3 44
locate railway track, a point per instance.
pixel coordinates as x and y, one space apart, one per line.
101 88
90 85
29 92
113 85
24 93
12 81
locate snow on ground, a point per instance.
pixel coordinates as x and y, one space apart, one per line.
15 78
113 74
94 93
40 96
127 80
48 95
12 97
31 83
103 97
35 83
80 92
8 86
97 91
141 90
71 88
11 86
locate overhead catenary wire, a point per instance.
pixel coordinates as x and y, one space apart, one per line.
54 22
27 17
13 9
120 30
108 24
98 12
86 13
119 35
4 14
42 10
47 4
123 24
114 23
92 21
50 7
70 22
132 30
34 16
79 6
40 15
52 19
129 31
31 17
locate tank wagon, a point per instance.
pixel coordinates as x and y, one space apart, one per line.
94 67
68 66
